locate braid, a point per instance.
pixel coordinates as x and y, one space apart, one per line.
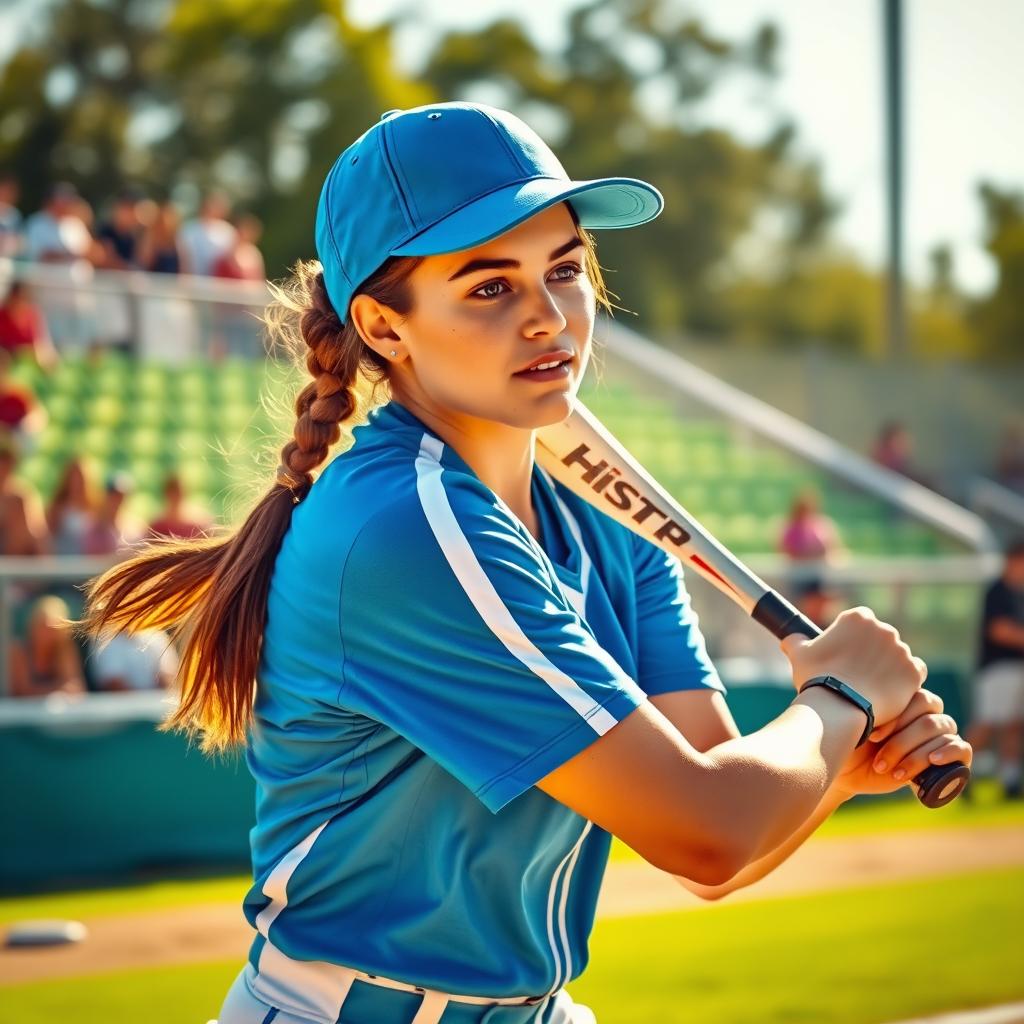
326 401
212 592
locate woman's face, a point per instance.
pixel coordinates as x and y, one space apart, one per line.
475 326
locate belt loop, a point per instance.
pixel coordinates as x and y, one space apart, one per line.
431 1009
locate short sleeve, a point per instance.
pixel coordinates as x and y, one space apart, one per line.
456 634
671 652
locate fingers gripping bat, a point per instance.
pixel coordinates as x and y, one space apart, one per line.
583 455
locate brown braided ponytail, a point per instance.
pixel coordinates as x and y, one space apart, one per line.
211 593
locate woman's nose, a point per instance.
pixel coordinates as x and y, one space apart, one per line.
546 315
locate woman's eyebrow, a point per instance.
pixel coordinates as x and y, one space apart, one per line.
474 265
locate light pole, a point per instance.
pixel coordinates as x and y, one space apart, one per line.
896 326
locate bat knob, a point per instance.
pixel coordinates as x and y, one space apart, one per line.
938 784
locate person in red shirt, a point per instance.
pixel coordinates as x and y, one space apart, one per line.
243 261
238 327
174 521
20 413
23 328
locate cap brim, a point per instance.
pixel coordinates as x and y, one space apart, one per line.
600 203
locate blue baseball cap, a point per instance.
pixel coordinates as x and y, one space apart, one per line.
449 176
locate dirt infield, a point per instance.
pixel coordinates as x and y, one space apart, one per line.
217 931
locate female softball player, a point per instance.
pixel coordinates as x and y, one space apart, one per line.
455 680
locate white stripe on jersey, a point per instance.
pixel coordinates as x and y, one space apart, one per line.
276 885
315 989
481 592
565 899
577 533
552 892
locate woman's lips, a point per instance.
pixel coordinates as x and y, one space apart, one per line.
553 373
549 374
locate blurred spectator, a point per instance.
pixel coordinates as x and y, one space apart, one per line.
20 412
82 209
243 260
809 534
23 328
72 510
119 236
145 660
57 233
813 599
109 533
175 521
12 239
894 449
159 250
999 684
236 326
22 523
207 237
47 659
1010 458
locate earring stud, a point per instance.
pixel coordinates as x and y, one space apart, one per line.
393 352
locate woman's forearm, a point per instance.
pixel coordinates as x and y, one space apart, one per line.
761 866
773 779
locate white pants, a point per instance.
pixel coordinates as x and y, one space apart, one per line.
242 1006
1000 693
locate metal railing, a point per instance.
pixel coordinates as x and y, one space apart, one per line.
900 590
163 317
817 448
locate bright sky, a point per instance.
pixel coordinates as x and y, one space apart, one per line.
964 91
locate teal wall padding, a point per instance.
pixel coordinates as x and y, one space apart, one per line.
95 798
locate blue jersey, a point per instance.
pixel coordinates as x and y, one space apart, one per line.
425 662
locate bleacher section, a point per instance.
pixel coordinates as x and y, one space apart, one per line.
211 423
207 422
741 489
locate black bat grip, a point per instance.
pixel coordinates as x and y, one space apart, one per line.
938 784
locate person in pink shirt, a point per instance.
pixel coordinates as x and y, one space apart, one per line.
808 534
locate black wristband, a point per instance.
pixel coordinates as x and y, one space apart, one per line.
850 694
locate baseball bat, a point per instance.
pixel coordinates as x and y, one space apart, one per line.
582 454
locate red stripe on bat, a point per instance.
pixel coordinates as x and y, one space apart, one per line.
707 568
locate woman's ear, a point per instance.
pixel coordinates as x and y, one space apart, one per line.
377 324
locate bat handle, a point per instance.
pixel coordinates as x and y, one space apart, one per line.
938 784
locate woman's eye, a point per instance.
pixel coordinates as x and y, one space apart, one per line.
482 292
574 267
490 284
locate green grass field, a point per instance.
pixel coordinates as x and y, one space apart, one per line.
860 956
857 818
857 956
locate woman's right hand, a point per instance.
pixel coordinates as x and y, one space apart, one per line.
866 654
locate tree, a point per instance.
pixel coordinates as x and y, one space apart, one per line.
999 317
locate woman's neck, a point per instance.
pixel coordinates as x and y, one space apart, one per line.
500 455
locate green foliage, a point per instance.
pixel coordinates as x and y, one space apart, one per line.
260 98
999 318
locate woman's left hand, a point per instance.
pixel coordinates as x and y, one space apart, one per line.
901 749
